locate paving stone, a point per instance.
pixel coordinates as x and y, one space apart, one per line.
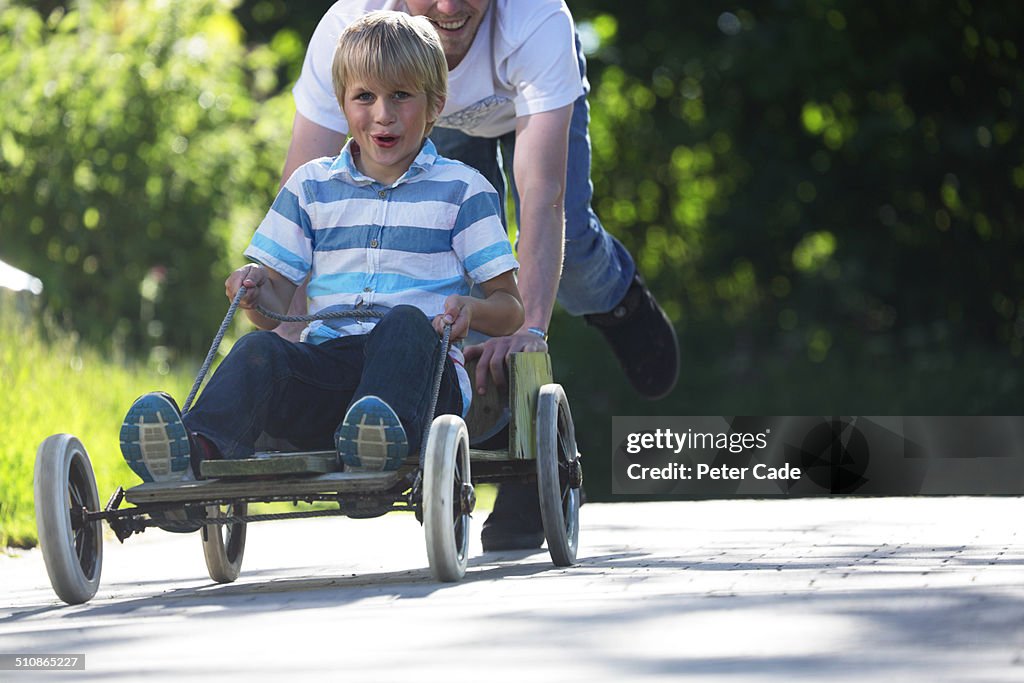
893 589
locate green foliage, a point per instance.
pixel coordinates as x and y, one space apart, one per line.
284 26
818 174
823 195
138 158
61 386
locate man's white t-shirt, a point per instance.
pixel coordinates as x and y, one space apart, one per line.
522 61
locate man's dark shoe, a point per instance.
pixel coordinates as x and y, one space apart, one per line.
515 522
643 340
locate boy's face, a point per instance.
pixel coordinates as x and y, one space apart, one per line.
388 124
456 21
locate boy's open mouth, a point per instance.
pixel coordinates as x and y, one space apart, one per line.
385 140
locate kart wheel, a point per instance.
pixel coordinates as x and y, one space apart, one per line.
65 487
447 497
558 475
224 544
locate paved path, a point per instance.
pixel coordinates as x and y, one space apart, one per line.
812 589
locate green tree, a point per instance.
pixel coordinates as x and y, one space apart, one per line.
824 196
814 172
137 158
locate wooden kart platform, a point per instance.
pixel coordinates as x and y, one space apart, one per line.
539 447
317 472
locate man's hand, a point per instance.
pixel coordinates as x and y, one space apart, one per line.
494 353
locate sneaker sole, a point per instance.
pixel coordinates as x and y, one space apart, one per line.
154 442
371 437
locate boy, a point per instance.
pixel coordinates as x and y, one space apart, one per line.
517 83
387 224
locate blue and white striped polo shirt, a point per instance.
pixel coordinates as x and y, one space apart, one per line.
432 233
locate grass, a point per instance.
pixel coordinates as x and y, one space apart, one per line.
50 383
53 384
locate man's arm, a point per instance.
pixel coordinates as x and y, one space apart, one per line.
542 143
309 141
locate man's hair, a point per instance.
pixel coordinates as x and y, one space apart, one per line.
392 49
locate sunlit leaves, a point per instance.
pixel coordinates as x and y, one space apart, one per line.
844 152
814 251
830 121
135 142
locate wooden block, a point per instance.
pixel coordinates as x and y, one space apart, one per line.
528 372
477 455
488 414
283 463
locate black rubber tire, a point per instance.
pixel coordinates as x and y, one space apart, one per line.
63 481
556 455
445 523
224 544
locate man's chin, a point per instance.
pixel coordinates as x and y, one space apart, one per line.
454 54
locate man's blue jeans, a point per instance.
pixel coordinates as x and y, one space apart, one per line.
300 392
597 269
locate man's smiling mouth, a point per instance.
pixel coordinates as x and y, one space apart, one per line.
451 24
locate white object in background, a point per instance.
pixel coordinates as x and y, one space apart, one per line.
19 280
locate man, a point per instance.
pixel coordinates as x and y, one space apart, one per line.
516 80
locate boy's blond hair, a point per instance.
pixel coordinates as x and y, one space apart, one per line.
395 50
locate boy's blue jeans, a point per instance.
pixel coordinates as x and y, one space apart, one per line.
300 392
597 269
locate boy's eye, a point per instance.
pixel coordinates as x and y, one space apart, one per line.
401 95
364 97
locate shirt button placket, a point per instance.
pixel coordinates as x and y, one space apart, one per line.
374 255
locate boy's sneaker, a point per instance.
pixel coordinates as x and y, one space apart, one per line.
156 446
643 340
371 437
154 441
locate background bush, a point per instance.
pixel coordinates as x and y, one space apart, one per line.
819 175
825 195
137 158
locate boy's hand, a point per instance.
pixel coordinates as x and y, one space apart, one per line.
252 277
458 312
